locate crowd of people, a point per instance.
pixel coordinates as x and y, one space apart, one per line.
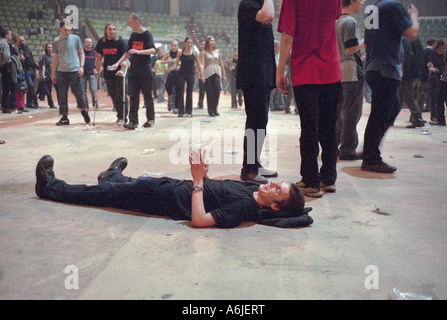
321 69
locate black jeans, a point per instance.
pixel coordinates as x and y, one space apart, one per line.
115 91
317 106
31 97
9 94
64 81
141 82
189 80
145 194
212 89
385 107
257 111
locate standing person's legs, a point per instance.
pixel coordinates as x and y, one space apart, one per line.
146 86
327 105
180 90
190 79
63 82
384 98
31 97
80 95
441 102
350 114
256 109
93 90
306 97
134 96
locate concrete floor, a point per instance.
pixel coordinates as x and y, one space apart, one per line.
350 252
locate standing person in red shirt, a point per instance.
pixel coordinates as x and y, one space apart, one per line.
308 31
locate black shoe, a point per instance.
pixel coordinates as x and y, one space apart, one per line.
149 124
180 115
53 107
119 164
267 173
63 122
130 126
18 111
253 176
86 116
188 115
44 174
217 114
379 167
437 123
33 106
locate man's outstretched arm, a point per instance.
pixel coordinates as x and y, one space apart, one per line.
199 170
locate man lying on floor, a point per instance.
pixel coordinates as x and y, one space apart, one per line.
206 202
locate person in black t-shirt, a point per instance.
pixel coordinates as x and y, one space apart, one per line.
90 74
141 47
110 49
256 75
206 202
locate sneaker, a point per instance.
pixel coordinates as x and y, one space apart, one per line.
63 122
310 191
328 188
86 116
149 124
131 126
379 167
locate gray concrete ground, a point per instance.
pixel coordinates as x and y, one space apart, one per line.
352 251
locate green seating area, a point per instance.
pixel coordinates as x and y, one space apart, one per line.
15 17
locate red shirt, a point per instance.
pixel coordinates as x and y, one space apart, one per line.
315 58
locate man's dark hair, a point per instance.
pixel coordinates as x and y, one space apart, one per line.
4 32
346 3
296 200
430 41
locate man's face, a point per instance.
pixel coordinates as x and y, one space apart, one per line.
133 24
65 31
111 32
22 42
274 192
8 36
358 5
88 43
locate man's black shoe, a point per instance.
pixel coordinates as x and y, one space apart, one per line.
253 176
44 174
131 126
86 116
119 164
63 122
379 167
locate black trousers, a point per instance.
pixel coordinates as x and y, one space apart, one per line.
141 82
145 194
188 80
441 100
257 111
317 107
385 107
212 89
115 91
64 81
9 94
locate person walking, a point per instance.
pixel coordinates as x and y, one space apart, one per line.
68 62
384 54
140 48
90 73
214 73
110 49
188 60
